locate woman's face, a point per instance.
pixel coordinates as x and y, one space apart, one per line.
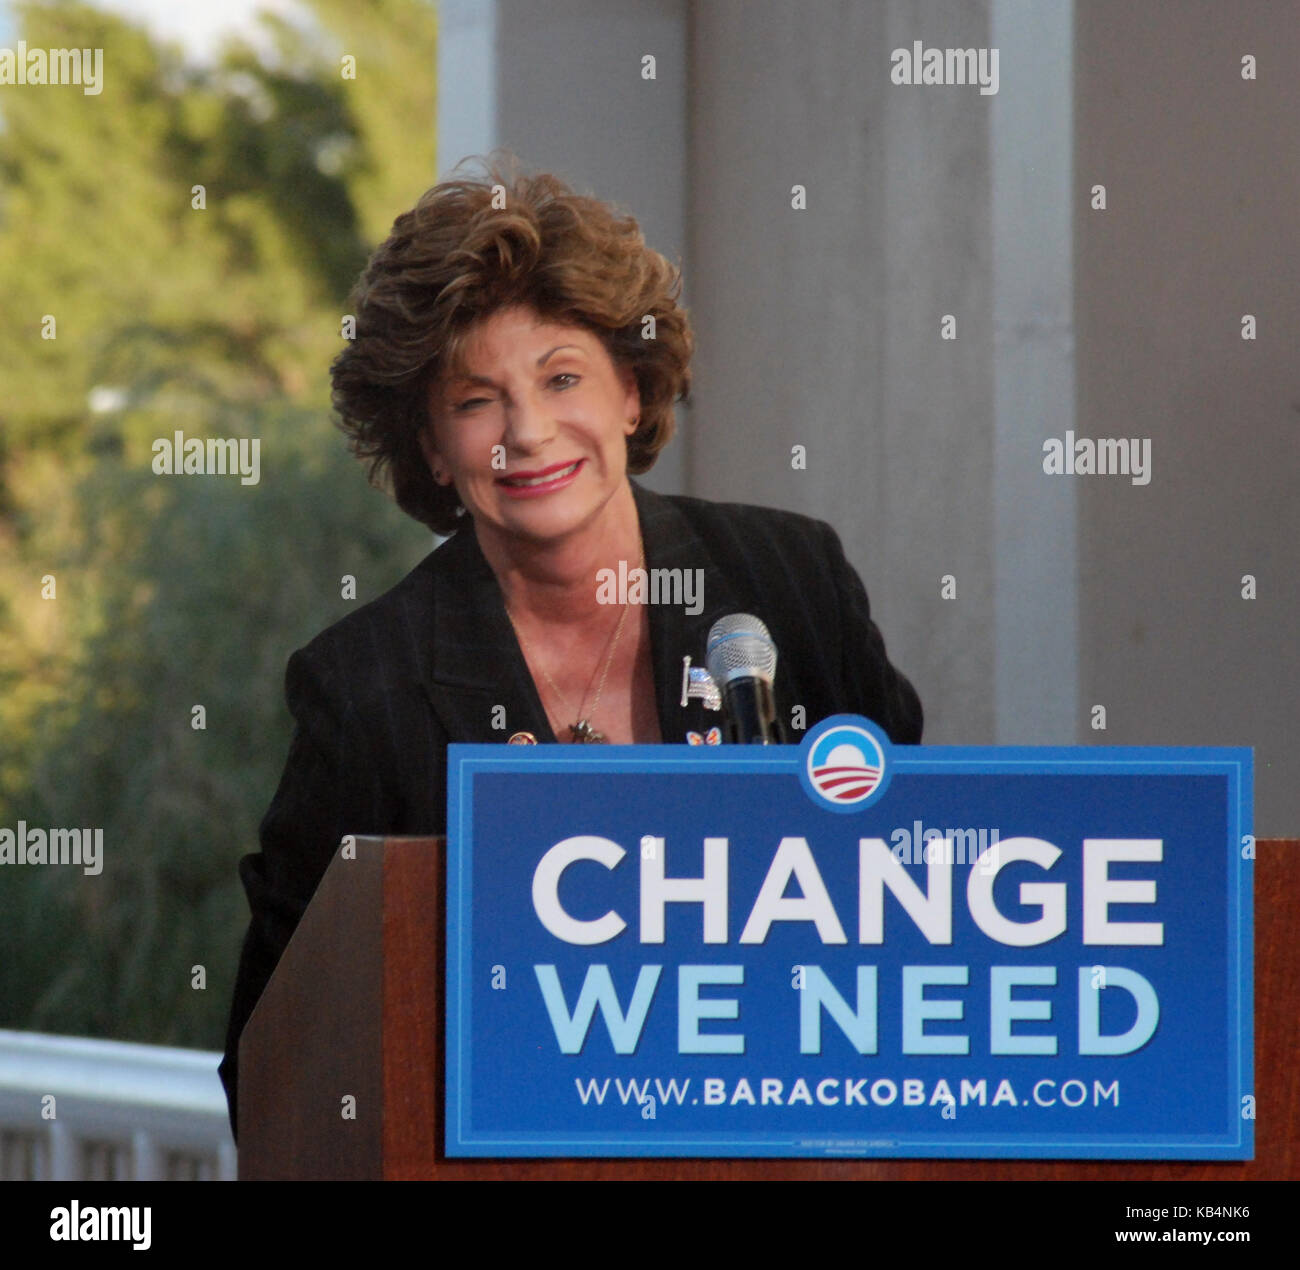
533 433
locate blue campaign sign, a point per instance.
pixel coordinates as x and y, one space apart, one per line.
848 948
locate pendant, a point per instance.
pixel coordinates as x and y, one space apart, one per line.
585 734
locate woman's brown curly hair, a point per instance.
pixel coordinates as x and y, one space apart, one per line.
467 249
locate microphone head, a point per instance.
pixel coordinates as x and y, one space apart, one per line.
740 647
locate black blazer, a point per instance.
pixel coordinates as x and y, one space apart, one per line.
379 695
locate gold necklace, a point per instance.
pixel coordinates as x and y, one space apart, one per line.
582 733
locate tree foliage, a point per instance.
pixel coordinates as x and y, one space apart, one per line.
193 233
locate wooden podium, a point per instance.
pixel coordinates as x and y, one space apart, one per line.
356 1005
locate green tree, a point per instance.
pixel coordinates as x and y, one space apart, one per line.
193 232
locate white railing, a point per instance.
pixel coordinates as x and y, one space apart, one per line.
73 1109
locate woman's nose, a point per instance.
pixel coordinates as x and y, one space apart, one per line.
529 424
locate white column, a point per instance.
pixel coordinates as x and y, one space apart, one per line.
1035 548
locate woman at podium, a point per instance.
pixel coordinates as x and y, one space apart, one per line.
517 354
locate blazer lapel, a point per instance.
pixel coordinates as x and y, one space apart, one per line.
470 661
671 542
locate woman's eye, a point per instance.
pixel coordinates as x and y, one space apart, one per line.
564 374
471 403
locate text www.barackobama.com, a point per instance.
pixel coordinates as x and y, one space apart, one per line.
848 1091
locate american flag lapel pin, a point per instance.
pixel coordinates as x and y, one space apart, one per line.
697 682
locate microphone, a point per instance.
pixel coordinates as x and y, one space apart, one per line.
742 662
